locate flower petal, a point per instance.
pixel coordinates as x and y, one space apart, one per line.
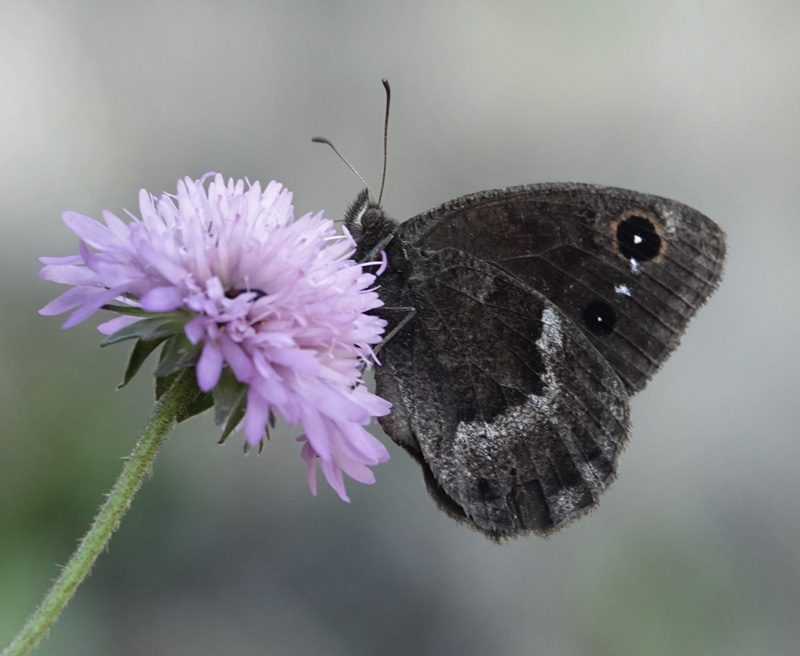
91 306
118 323
71 298
256 417
70 275
162 299
92 232
209 367
333 474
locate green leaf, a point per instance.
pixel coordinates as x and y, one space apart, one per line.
178 353
141 350
147 329
237 414
228 393
202 402
130 310
230 401
163 383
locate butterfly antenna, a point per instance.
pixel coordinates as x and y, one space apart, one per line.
385 134
341 157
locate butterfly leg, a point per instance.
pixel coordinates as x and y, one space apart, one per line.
410 312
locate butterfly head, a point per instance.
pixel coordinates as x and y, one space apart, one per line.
370 226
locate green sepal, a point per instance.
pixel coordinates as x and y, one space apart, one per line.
163 383
130 310
233 420
178 353
230 402
148 329
141 350
202 402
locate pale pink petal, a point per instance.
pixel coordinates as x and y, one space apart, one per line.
361 445
256 417
195 329
119 228
90 307
71 298
93 233
169 270
316 431
162 299
118 323
70 275
237 359
300 360
357 471
333 474
309 455
209 367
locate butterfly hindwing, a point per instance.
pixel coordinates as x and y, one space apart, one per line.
516 419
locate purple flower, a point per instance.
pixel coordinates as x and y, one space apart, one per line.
255 297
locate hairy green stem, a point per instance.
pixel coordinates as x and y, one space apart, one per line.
105 523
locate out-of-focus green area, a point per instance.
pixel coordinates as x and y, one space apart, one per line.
693 551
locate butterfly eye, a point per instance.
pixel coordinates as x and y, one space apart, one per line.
370 219
637 238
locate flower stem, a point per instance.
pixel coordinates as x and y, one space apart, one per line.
105 523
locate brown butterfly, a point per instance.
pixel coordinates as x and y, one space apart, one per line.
521 321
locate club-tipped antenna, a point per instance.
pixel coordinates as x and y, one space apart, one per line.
385 134
341 157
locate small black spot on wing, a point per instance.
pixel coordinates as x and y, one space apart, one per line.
600 318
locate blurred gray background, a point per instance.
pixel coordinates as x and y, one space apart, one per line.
694 550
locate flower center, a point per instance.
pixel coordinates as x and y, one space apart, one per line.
233 293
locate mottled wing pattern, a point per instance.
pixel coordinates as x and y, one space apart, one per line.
516 419
628 269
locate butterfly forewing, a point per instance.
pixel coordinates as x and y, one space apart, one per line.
628 269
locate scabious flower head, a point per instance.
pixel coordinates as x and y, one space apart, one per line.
269 309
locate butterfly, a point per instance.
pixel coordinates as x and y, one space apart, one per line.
520 323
